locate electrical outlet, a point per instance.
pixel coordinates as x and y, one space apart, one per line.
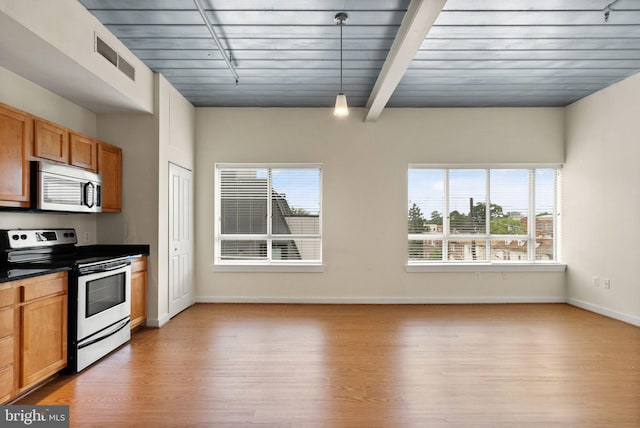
596 281
478 276
86 236
505 275
607 283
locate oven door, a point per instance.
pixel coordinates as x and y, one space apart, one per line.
104 298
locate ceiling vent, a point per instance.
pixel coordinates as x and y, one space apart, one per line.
114 58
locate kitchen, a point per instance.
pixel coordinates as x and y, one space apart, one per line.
138 214
63 306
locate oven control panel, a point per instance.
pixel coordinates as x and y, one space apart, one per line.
33 238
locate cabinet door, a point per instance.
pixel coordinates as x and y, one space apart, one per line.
6 383
43 350
50 141
16 135
138 298
110 167
83 151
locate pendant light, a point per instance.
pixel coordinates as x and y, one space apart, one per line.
341 108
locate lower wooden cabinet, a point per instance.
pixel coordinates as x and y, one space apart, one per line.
6 383
7 343
43 351
33 332
138 291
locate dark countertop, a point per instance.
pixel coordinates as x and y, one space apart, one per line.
11 274
7 275
113 250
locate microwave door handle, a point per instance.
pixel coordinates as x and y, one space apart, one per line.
89 202
98 194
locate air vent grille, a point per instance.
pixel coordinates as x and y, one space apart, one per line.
126 68
105 50
114 58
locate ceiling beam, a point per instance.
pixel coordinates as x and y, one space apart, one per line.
416 23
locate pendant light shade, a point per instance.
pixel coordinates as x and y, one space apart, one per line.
341 109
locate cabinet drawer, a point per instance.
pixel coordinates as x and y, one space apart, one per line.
6 322
6 296
6 351
139 264
6 382
43 286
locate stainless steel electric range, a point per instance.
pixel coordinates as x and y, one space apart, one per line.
99 287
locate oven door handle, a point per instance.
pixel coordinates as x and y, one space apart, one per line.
106 335
89 270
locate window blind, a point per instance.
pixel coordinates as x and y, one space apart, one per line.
268 214
488 215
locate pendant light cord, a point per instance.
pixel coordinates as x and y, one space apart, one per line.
341 24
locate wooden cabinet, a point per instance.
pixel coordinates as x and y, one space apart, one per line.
42 325
50 141
24 137
7 348
16 137
83 151
110 167
138 292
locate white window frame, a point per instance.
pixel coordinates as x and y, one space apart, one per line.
267 265
530 265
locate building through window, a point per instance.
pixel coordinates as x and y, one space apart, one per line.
478 214
268 214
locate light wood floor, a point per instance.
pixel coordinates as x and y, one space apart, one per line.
227 365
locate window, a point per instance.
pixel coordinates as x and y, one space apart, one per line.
463 215
268 214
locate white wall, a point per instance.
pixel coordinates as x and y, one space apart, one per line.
51 43
149 143
176 145
601 214
24 95
364 195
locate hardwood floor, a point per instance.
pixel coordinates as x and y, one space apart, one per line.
236 365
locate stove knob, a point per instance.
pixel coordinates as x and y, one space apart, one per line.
23 236
66 235
15 237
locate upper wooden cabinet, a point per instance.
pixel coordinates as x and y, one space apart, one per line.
50 141
83 151
16 138
110 167
24 137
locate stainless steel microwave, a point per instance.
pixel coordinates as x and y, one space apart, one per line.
65 188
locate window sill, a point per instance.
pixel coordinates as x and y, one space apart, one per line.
304 268
486 267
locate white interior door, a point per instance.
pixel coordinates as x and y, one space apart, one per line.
180 239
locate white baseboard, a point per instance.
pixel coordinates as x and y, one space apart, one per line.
159 322
604 311
380 300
